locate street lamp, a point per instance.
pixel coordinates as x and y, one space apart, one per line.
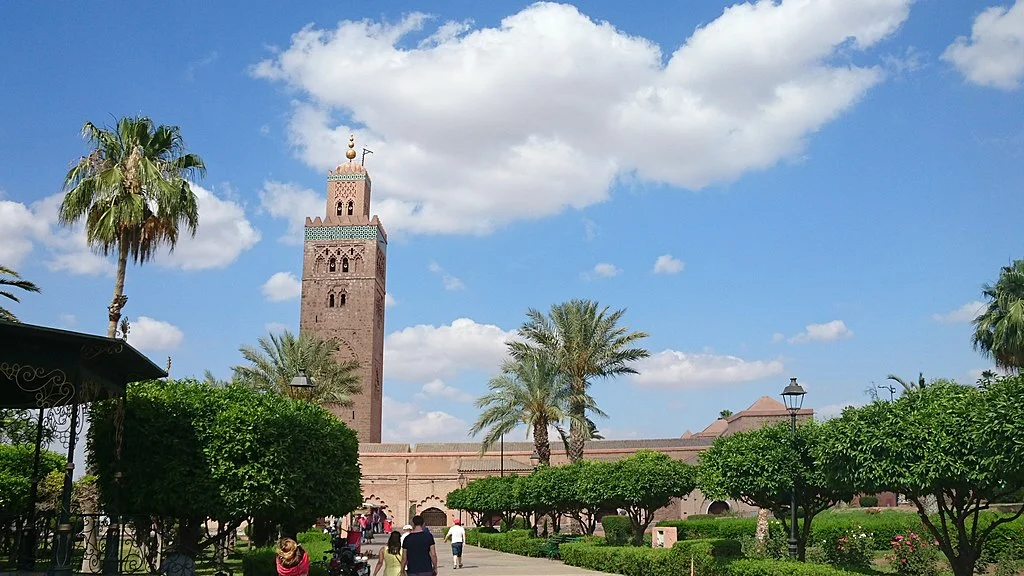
462 484
302 382
793 395
535 458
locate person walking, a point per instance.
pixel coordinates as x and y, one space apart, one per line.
406 530
418 553
457 534
391 556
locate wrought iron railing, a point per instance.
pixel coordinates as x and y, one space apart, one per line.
98 545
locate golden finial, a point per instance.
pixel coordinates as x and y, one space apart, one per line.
351 153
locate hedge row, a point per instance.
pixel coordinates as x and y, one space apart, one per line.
747 567
706 556
518 542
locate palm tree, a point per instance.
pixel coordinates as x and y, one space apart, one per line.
278 359
528 391
908 385
133 192
999 330
8 277
586 343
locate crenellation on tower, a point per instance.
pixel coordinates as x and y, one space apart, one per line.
344 287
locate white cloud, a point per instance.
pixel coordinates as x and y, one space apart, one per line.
829 411
67 320
389 301
666 264
778 337
827 332
146 333
681 370
994 54
603 270
292 203
425 352
436 388
589 229
277 327
530 106
67 248
405 422
282 286
19 227
449 282
223 234
966 313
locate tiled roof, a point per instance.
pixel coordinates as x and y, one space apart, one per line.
558 448
490 465
715 429
390 448
766 404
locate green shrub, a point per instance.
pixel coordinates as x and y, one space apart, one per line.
750 567
633 560
517 542
310 536
618 530
883 526
912 556
517 524
868 501
261 562
695 529
720 548
851 548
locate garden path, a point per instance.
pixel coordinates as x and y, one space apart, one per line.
483 562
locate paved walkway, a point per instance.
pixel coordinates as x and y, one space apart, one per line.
483 562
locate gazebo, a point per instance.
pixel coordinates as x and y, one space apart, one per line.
58 373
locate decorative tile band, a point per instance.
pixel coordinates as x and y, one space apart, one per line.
346 177
345 233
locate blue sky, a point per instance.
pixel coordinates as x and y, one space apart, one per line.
810 189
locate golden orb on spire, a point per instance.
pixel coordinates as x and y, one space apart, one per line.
351 153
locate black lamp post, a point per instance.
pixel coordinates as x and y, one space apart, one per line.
793 395
535 458
462 484
302 382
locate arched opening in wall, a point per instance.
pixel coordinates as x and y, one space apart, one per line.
718 507
332 265
339 208
344 264
343 299
330 300
434 517
351 208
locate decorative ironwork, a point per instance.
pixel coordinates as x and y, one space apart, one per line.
49 386
92 350
59 420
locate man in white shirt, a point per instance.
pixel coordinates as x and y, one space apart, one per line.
457 534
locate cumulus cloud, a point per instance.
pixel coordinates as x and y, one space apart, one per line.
146 333
425 352
404 422
436 388
963 314
19 227
827 332
449 282
282 286
682 370
529 106
830 411
994 54
389 301
223 234
67 320
666 264
292 203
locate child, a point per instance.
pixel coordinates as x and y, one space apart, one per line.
292 560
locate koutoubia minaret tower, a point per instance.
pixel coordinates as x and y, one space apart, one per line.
344 266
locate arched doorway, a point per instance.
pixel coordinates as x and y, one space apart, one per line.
718 507
435 517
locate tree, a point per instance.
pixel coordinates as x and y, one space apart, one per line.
197 452
957 447
645 482
133 192
761 467
20 427
16 463
725 413
999 330
588 482
529 391
586 344
278 359
9 277
908 385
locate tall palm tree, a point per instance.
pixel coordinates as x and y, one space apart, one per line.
278 359
528 391
908 385
999 330
586 343
133 192
8 277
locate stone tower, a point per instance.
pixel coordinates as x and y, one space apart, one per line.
343 274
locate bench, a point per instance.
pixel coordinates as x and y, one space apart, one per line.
550 547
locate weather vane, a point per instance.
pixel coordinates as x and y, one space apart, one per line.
362 160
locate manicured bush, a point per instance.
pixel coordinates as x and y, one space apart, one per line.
617 530
633 560
749 567
733 528
310 536
912 556
883 526
517 542
851 548
261 562
868 501
720 548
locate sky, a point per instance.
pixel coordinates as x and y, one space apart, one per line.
799 188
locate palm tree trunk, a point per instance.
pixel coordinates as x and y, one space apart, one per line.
541 443
119 299
577 432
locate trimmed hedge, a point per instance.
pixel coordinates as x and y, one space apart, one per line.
518 542
748 567
867 501
617 530
702 528
636 561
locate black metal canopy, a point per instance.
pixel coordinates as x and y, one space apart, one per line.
44 367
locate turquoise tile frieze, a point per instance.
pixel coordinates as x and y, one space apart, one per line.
345 233
346 177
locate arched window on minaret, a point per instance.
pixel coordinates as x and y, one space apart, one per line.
344 264
343 299
330 300
332 265
351 208
339 208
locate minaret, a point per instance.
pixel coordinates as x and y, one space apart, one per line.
343 277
